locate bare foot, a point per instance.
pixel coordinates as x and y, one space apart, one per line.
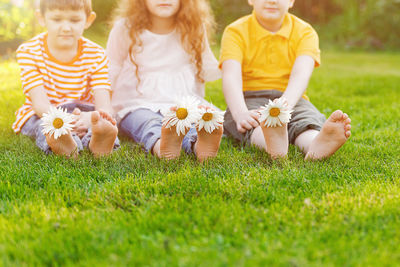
76 111
104 131
276 140
207 144
170 143
334 133
65 145
80 128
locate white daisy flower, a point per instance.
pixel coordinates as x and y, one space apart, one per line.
275 113
210 119
183 116
57 122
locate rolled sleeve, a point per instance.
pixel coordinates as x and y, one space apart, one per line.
30 74
100 78
309 45
232 46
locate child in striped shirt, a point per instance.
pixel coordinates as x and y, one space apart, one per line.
61 68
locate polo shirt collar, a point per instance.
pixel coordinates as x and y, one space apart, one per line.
284 31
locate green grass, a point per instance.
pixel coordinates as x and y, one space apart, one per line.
240 209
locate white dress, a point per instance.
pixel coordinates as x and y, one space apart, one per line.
165 71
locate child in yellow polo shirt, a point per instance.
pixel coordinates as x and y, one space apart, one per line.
270 55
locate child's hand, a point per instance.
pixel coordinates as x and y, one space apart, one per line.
110 118
283 100
246 121
82 123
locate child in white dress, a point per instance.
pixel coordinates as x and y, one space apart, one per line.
159 52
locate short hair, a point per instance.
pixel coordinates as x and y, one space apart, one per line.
86 5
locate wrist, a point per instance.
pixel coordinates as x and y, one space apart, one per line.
289 101
236 114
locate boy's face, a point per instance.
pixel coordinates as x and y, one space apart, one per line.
65 27
271 10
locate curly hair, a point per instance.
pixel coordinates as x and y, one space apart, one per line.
193 20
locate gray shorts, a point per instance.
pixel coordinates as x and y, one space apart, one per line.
144 127
33 129
305 116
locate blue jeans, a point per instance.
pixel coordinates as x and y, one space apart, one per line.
33 129
144 127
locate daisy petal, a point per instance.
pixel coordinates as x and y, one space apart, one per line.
275 113
57 122
210 119
183 116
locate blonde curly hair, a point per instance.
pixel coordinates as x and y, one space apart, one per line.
193 21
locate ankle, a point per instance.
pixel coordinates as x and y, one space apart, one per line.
156 149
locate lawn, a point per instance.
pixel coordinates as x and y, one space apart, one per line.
240 209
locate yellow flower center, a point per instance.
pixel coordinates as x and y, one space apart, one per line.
207 116
274 112
181 113
58 123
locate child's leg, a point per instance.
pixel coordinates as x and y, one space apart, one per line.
304 140
317 137
170 144
273 140
207 144
276 141
142 126
68 145
104 134
145 127
257 138
65 145
322 144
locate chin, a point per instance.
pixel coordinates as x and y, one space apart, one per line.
67 46
165 14
271 17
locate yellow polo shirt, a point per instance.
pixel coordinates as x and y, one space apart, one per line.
267 59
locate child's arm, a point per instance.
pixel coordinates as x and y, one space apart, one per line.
233 91
299 78
40 102
102 99
117 49
101 89
32 81
211 69
102 102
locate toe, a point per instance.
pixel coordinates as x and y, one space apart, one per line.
336 115
347 127
95 117
108 117
348 134
105 115
76 111
347 121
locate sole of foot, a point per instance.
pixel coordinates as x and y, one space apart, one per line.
276 141
207 144
334 133
65 145
104 133
170 143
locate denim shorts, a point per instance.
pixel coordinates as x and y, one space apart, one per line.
33 129
144 127
305 116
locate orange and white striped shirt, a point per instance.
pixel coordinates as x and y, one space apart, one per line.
63 83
